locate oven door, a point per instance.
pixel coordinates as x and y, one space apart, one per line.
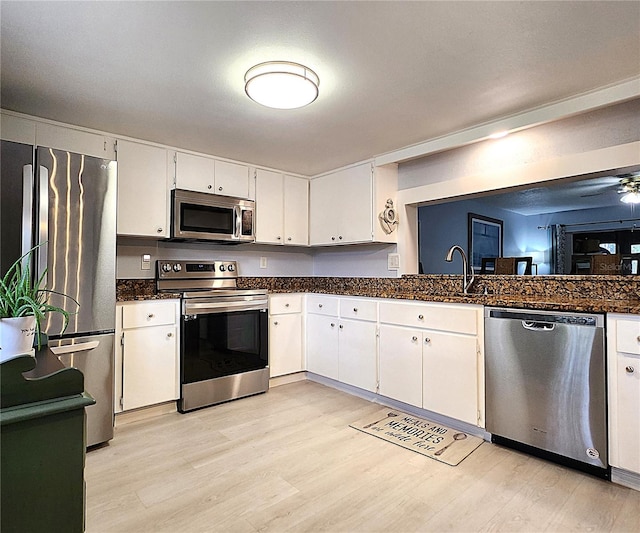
215 345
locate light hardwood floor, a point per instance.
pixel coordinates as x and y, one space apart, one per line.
287 460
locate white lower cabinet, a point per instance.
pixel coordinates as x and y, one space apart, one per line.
357 354
401 364
341 348
450 375
147 357
437 365
623 361
322 345
285 334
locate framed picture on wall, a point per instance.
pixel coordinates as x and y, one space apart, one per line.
484 239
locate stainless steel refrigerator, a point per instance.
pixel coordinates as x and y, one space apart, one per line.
68 202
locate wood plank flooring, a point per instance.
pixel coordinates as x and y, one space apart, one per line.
287 460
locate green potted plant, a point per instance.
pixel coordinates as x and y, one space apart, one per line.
23 306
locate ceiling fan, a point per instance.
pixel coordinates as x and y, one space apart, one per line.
626 184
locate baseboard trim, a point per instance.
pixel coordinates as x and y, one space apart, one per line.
287 378
625 478
143 413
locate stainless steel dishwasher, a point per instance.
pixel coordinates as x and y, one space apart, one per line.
546 385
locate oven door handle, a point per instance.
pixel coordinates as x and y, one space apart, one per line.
201 308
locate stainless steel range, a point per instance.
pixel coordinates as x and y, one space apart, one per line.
223 342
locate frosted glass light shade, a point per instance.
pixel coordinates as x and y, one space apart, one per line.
281 84
631 198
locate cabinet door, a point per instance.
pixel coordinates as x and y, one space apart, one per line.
628 412
450 375
231 179
72 140
142 174
269 207
322 345
296 211
354 187
195 173
324 210
285 344
150 366
357 357
400 352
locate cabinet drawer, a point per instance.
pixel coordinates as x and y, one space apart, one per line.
282 304
628 336
142 314
456 319
359 309
322 305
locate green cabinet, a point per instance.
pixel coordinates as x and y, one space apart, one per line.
42 448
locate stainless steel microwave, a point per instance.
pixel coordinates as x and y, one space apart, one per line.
211 217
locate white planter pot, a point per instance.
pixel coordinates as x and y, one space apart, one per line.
16 337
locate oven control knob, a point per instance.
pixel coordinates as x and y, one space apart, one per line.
166 267
222 268
177 267
231 268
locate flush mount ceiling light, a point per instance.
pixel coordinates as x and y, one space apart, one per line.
630 190
281 84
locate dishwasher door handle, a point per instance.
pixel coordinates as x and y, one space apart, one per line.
537 326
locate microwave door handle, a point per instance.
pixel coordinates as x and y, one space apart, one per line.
27 209
238 216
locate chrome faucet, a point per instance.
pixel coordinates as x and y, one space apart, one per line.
466 285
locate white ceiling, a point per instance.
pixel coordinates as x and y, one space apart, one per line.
392 73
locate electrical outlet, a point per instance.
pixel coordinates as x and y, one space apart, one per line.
146 262
263 262
393 261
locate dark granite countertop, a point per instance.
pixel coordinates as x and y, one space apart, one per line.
596 294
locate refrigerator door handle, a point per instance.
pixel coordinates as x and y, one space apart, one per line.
27 209
43 222
70 348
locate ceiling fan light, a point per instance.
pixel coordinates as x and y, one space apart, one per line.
631 198
281 84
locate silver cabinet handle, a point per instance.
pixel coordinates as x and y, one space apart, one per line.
286 305
159 230
150 315
340 237
420 317
220 189
288 238
27 208
355 309
279 238
333 325
630 370
169 334
320 306
427 340
275 323
341 326
333 238
414 338
209 186
638 338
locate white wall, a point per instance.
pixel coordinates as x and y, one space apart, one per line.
598 141
367 260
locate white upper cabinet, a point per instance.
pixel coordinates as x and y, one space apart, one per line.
195 173
143 191
282 209
17 129
269 207
72 140
205 174
232 179
344 205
